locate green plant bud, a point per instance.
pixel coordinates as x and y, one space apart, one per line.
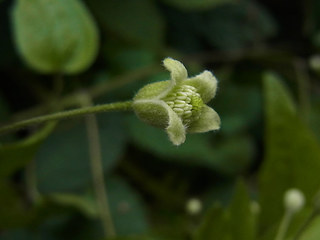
55 35
179 105
294 200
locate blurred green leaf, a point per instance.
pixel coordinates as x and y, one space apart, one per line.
48 230
13 211
55 36
236 222
214 225
127 210
63 160
136 21
292 153
242 219
15 156
196 4
19 234
235 26
129 58
230 156
313 231
239 107
315 117
84 203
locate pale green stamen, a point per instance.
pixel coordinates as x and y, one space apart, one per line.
186 102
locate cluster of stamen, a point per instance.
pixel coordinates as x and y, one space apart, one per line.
185 102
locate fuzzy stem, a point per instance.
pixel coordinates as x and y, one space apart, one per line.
119 106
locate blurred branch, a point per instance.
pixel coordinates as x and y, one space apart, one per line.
97 171
150 185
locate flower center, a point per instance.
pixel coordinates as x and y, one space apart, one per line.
186 102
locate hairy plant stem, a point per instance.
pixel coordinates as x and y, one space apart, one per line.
100 89
118 106
97 171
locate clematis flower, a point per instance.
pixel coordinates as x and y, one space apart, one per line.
179 105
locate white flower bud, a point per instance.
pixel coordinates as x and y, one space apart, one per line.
294 200
193 206
314 62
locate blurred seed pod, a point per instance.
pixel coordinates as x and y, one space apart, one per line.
55 35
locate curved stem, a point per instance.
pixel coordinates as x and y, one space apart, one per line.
119 106
100 89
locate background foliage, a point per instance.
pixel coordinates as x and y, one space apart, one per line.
264 55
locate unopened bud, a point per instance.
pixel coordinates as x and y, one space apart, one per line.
294 200
193 206
314 63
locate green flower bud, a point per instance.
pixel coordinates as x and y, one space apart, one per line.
55 35
294 200
179 105
193 206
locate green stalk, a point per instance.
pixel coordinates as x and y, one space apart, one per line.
119 106
97 172
284 225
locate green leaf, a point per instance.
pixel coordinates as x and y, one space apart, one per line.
233 26
84 203
291 156
196 4
135 21
313 231
242 218
13 210
215 225
128 58
16 155
239 114
127 210
63 160
315 117
237 222
55 36
229 156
